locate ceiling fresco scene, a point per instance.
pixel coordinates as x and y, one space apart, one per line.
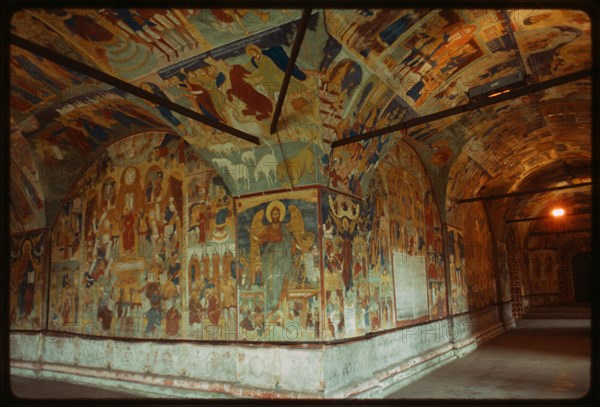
276 99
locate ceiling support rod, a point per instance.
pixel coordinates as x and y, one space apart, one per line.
515 93
127 87
302 26
519 193
586 212
559 232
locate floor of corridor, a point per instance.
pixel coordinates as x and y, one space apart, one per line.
540 359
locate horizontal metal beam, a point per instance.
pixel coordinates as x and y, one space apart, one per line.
559 232
520 193
127 87
515 93
585 212
302 26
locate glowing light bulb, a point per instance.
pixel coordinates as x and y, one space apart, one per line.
558 212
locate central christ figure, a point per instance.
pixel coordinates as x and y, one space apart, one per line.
274 246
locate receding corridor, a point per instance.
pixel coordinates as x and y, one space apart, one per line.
540 359
300 202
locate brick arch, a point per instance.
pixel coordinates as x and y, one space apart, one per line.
566 252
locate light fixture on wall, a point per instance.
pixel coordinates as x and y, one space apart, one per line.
558 212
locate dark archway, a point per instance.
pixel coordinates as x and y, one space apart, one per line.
581 268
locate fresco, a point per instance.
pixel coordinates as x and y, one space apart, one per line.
64 307
26 194
123 240
28 259
279 275
358 70
27 24
134 42
543 271
65 135
433 71
67 231
503 270
408 235
480 275
211 254
247 170
436 280
146 241
238 84
553 42
455 252
350 310
37 82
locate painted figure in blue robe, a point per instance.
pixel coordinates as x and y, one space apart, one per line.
277 54
164 111
154 314
275 241
391 33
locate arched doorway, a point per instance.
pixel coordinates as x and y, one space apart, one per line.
581 267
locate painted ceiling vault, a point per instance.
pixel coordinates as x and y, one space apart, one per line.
356 71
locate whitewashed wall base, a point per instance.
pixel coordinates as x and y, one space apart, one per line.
367 368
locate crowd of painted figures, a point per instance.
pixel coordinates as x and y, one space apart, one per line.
154 245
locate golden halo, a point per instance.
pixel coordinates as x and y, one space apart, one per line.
26 247
276 204
252 47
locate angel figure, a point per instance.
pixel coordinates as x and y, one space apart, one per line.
345 218
273 247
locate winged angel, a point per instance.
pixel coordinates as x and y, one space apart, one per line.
274 246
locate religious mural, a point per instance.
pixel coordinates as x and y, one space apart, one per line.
455 253
36 82
28 257
349 308
67 134
228 65
480 275
64 298
150 37
433 71
543 271
238 84
471 262
503 272
123 240
278 273
211 260
552 42
26 192
149 241
407 235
